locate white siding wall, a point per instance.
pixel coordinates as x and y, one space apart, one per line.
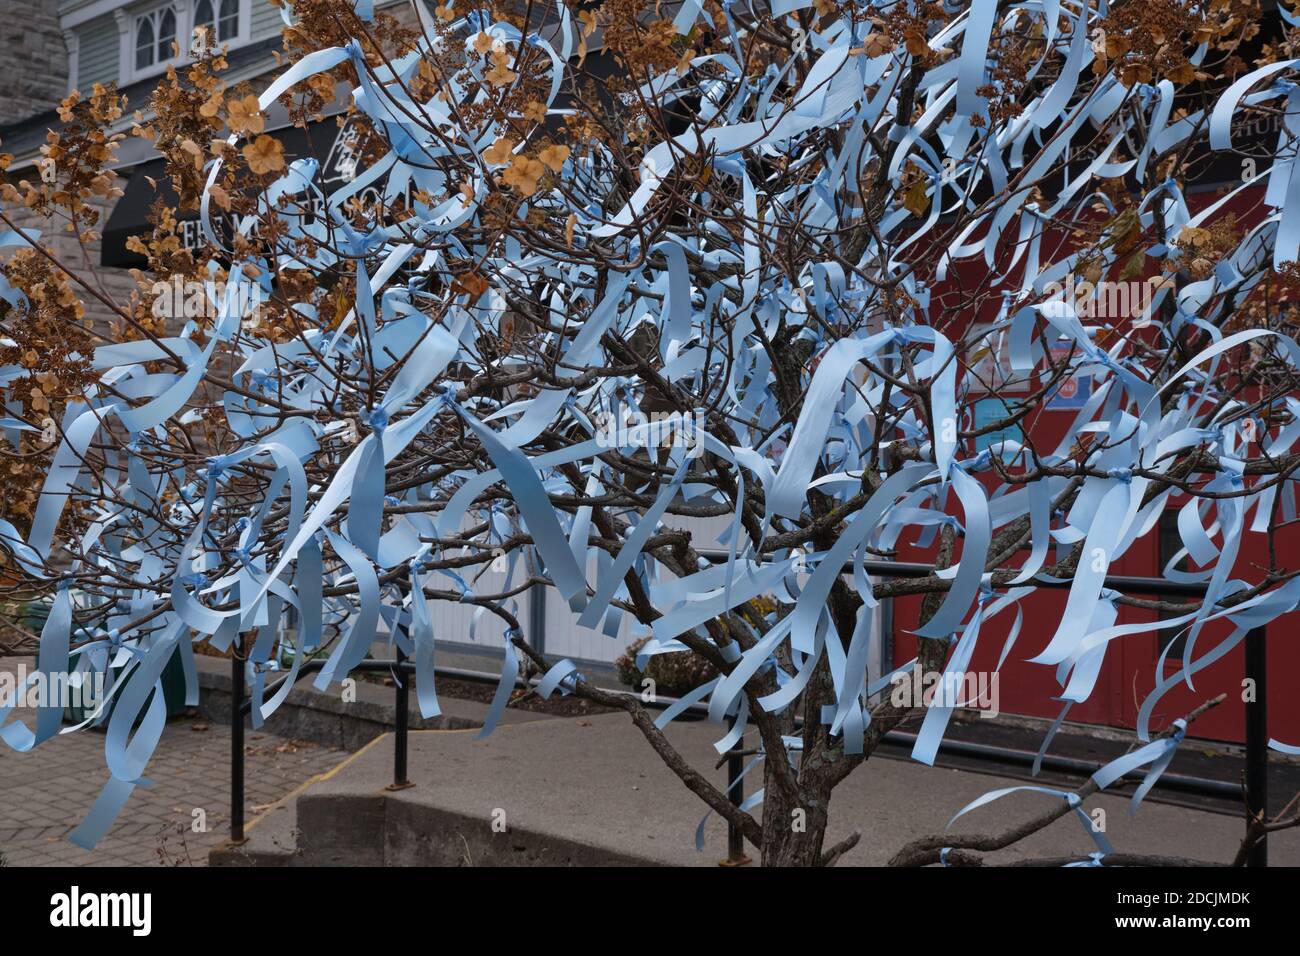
452 621
97 53
265 21
564 637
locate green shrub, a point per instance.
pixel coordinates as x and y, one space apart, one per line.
674 673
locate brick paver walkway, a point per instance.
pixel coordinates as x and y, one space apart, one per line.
45 793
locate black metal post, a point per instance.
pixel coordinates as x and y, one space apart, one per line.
402 701
537 618
736 794
735 839
236 744
1257 739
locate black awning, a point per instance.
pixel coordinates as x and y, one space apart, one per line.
149 182
335 147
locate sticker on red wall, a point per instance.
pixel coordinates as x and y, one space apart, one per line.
1072 392
988 411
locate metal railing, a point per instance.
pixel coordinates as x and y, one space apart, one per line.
1256 771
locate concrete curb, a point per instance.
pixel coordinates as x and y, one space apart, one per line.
325 718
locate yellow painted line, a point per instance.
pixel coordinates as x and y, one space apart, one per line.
310 781
435 730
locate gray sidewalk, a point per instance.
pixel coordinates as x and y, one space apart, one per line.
572 790
46 792
591 791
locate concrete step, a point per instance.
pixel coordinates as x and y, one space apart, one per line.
273 834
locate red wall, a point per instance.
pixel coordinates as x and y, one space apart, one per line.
1128 674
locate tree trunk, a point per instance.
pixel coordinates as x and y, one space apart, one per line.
794 825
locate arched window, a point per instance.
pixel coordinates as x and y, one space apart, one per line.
155 32
205 17
144 48
229 26
221 17
166 33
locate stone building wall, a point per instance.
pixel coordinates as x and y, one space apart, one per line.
82 258
30 85
35 73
